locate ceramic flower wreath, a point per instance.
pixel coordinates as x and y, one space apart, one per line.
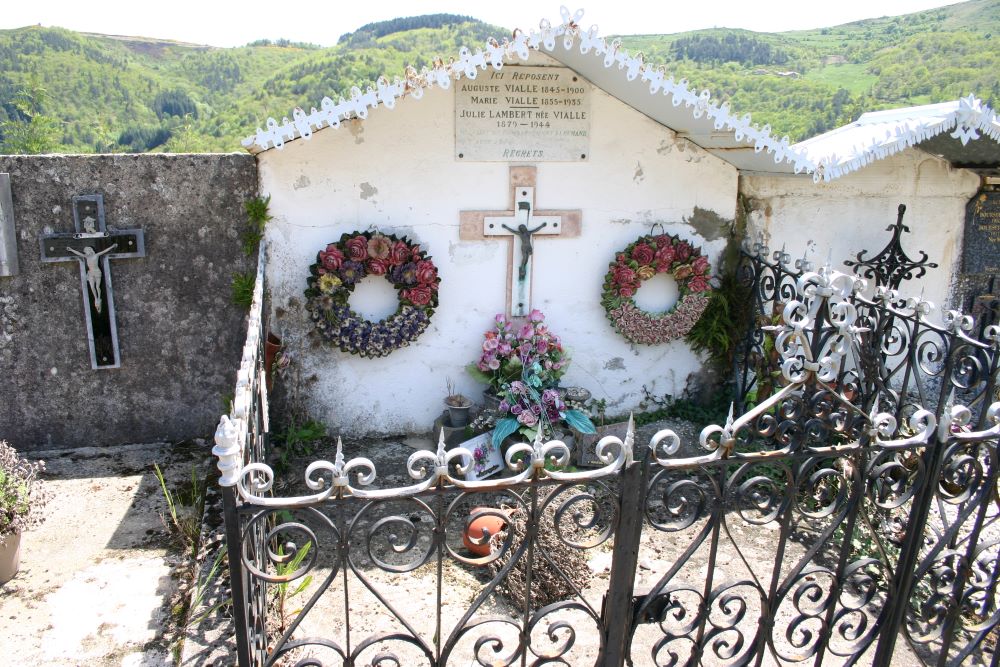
641 260
337 271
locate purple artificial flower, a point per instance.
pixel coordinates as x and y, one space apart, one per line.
518 387
527 418
504 406
526 331
535 316
408 274
525 351
352 272
516 409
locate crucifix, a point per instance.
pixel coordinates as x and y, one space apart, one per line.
524 225
92 245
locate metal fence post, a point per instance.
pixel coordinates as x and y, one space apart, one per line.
234 552
618 614
902 585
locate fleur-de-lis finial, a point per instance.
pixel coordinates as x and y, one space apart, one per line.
537 450
728 441
629 442
442 455
339 459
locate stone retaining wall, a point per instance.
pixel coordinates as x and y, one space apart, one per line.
179 333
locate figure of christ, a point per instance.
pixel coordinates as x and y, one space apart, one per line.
524 234
94 274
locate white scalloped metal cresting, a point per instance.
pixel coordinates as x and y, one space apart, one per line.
495 54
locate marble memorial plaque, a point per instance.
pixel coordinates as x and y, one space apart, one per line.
981 252
486 458
539 114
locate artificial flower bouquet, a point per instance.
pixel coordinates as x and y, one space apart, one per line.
523 362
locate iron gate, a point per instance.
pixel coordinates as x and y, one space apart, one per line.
853 505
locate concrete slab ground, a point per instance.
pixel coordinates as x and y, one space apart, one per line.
97 578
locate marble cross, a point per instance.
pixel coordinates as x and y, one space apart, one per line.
92 245
524 225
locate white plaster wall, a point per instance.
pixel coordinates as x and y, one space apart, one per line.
396 170
851 214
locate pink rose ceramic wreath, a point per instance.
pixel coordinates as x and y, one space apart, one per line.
338 269
642 260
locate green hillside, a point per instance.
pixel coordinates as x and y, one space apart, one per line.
94 93
816 80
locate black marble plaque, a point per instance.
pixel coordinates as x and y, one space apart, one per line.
981 253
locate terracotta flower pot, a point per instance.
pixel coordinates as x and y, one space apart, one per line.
10 556
272 345
490 522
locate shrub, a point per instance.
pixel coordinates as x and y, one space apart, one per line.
22 494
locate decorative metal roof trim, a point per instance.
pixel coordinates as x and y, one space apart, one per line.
969 121
330 114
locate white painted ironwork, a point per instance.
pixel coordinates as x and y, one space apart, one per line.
441 468
231 436
469 64
228 449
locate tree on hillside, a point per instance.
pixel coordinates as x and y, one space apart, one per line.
372 31
28 130
174 102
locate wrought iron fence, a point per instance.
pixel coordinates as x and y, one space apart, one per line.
851 503
242 439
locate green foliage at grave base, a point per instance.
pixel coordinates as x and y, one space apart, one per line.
727 317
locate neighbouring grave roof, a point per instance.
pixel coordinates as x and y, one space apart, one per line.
942 129
651 91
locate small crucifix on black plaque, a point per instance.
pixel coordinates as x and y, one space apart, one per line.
92 245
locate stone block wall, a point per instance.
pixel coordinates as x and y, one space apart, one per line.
179 333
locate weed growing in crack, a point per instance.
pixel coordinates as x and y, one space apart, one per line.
185 506
283 590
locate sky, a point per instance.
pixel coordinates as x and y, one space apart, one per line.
234 24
